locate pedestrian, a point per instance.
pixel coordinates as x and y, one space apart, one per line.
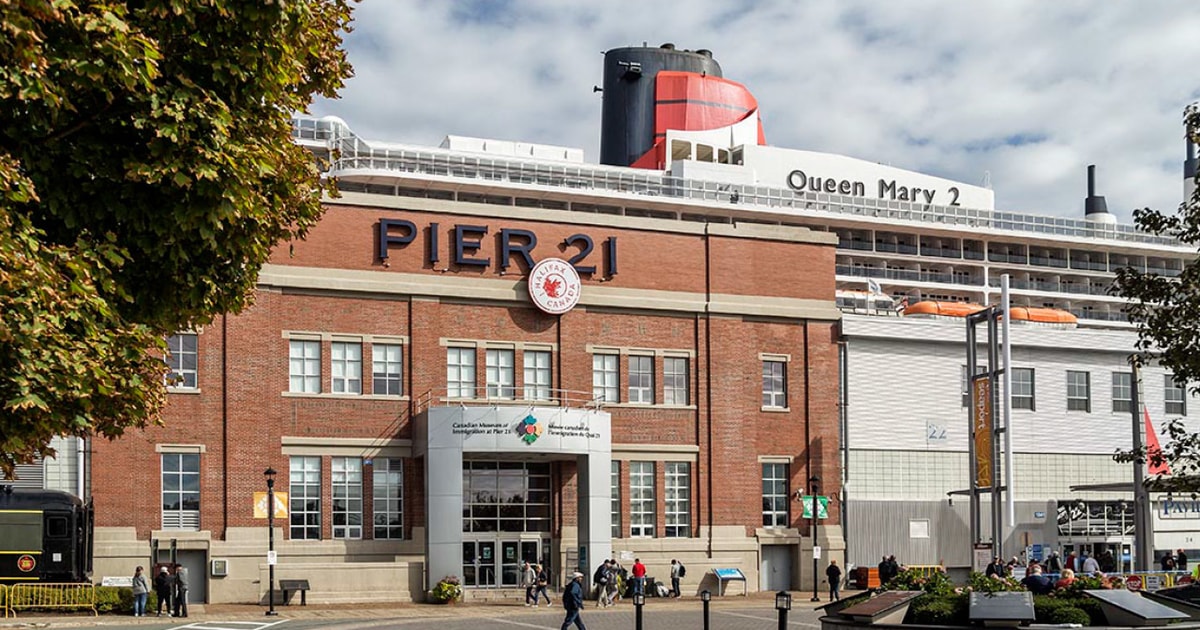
180 584
1167 562
639 576
893 567
573 602
995 568
676 573
528 580
543 581
1068 576
834 574
1037 583
1054 563
884 568
162 589
601 579
1181 561
1089 567
1072 562
141 592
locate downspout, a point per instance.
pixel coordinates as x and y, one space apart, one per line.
225 420
80 447
708 397
844 422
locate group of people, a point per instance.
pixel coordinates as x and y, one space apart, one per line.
888 569
1177 561
535 579
170 586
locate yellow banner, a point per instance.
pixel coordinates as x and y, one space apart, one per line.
981 421
260 505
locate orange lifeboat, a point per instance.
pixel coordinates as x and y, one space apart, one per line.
1042 315
943 309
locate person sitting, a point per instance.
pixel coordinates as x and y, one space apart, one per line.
1037 583
1068 576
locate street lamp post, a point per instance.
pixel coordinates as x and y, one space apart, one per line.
705 597
639 600
814 480
270 475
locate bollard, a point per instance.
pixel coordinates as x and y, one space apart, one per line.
783 603
639 600
705 597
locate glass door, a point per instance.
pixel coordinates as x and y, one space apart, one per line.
510 568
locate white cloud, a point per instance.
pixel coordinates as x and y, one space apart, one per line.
1030 92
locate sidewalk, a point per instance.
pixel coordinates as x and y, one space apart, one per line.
253 612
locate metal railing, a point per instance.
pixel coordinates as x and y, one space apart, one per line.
50 596
507 395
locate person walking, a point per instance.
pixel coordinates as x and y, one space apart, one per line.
639 576
676 573
602 579
834 574
573 602
543 581
180 584
162 588
1167 562
1181 561
528 578
141 592
1054 563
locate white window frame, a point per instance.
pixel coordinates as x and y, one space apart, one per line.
615 500
180 490
304 366
1174 396
775 475
774 390
345 367
1024 382
678 500
304 486
460 372
538 374
346 490
606 378
675 381
387 369
387 489
1079 395
501 373
1122 392
641 379
183 349
641 500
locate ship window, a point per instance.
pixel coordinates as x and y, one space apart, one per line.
56 527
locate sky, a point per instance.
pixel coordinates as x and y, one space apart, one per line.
1022 93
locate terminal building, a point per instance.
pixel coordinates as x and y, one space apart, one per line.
492 352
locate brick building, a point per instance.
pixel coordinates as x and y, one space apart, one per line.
389 361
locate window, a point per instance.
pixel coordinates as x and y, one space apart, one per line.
501 375
388 489
460 372
506 496
181 491
679 499
537 375
604 378
304 366
615 502
387 360
641 380
1174 395
641 499
1022 384
1079 391
305 498
347 497
774 391
182 360
346 367
675 381
775 495
1122 391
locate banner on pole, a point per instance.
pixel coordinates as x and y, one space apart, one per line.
981 425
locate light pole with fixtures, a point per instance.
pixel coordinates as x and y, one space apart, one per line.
270 475
815 482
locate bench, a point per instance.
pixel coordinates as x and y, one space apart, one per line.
291 586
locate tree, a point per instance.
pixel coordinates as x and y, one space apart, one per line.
146 173
1167 313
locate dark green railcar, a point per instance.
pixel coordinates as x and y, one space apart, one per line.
45 536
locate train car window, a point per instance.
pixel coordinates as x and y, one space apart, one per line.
56 527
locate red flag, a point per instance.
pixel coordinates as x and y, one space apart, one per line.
1152 448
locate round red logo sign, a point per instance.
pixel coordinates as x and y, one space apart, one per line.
554 286
26 563
1133 583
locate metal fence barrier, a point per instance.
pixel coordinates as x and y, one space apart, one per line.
75 596
925 570
4 599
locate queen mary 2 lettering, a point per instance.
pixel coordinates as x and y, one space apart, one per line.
888 189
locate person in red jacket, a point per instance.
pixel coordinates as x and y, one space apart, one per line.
639 576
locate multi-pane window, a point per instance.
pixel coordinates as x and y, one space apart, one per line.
615 501
1122 391
388 490
537 375
1174 396
675 381
679 499
1079 391
181 491
641 380
501 375
774 390
346 367
605 380
460 372
1022 385
775 495
346 477
641 499
304 366
387 361
506 496
305 499
182 360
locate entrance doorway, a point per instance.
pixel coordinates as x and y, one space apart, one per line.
775 572
497 562
506 521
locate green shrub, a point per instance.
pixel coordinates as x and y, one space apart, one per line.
114 599
1047 608
1070 614
448 589
939 610
937 583
981 583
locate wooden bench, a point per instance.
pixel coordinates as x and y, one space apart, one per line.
294 585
